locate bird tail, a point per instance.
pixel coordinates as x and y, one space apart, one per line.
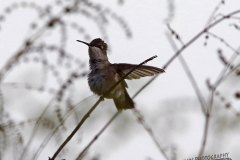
124 101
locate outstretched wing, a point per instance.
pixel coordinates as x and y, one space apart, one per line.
141 71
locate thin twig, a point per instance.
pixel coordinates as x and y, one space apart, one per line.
84 151
223 41
212 16
32 38
54 131
140 119
34 131
150 132
197 36
206 125
222 75
76 128
148 129
37 124
189 73
94 106
192 40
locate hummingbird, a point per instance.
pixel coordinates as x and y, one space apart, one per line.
103 74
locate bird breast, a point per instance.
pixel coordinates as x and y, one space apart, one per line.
100 81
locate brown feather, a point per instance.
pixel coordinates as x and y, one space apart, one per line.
141 71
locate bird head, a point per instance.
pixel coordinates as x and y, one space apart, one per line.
97 48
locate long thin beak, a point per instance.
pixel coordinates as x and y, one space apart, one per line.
83 42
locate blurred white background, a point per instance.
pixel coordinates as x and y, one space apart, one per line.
169 104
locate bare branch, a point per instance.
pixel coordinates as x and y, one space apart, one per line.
92 109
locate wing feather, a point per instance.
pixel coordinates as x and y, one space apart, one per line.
141 71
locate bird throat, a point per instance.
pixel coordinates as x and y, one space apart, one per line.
96 64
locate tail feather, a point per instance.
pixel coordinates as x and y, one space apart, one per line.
124 102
